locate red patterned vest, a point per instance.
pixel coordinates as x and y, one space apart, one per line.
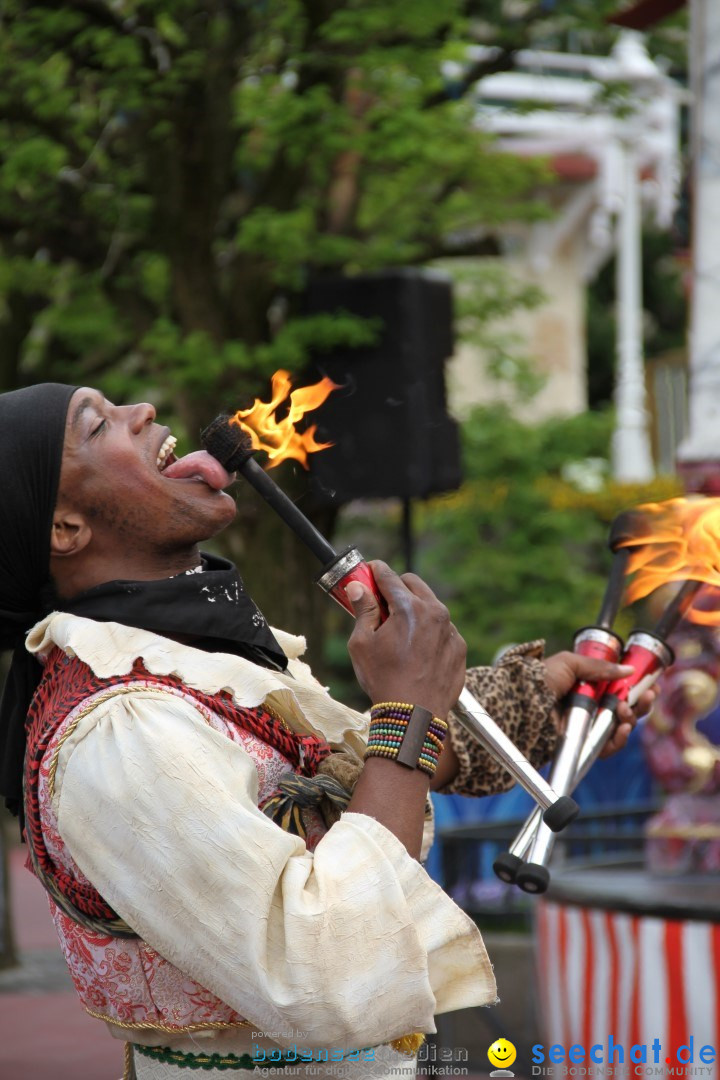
121 978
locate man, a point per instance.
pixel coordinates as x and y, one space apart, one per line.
166 717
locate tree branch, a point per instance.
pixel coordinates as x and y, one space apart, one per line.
503 61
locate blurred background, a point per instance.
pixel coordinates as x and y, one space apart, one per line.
494 225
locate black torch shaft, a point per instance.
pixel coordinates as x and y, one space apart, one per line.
614 589
624 533
677 608
285 508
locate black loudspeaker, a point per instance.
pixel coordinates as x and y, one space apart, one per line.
388 421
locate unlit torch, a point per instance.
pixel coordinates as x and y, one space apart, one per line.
232 446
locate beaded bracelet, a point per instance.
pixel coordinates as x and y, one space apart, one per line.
407 734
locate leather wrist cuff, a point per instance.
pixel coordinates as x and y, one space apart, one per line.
405 733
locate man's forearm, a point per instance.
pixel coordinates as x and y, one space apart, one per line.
395 796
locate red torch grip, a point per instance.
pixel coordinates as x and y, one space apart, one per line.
648 655
600 644
364 575
350 566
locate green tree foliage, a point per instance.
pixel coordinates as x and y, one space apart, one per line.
172 174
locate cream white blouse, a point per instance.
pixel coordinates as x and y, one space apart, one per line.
353 944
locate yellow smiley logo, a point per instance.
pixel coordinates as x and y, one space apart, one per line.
502 1053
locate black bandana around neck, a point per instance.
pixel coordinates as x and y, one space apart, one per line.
213 603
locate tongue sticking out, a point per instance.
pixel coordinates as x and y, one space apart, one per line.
199 465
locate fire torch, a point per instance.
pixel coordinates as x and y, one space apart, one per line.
230 444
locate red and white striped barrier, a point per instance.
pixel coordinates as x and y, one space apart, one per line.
634 977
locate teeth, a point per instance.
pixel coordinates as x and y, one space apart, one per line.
167 448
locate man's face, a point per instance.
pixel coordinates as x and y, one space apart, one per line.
111 474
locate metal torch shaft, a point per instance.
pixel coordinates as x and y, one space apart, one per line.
649 655
535 841
477 722
602 644
285 508
598 642
565 766
534 828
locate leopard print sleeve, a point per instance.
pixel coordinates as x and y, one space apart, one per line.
517 696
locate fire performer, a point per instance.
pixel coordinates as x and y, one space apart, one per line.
158 716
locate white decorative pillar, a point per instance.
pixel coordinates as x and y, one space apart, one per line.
631 453
699 454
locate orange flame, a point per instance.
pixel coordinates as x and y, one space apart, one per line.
679 540
278 438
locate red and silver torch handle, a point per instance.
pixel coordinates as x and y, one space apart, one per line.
650 656
601 644
349 566
556 811
525 838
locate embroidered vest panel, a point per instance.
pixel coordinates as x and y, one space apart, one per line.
124 980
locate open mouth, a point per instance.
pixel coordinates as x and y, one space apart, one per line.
165 455
198 466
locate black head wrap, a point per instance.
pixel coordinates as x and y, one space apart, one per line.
214 603
32 430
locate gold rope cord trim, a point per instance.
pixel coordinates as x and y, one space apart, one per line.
167 1029
129 1066
199 1061
275 715
408 1045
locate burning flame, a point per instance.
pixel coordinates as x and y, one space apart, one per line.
278 438
678 540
